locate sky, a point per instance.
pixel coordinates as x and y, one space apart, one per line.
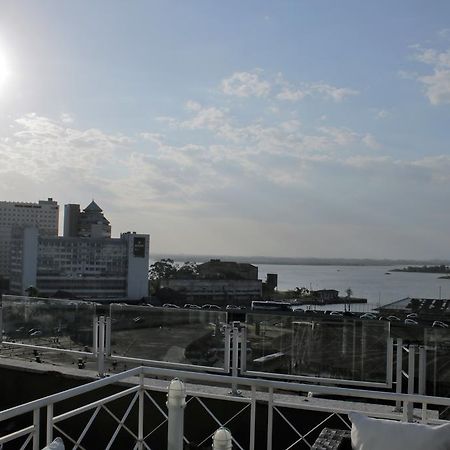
279 128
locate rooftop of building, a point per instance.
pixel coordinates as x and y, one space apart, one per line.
93 207
420 305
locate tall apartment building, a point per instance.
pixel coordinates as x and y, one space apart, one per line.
85 267
43 215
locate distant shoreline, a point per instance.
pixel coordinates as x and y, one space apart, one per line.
307 261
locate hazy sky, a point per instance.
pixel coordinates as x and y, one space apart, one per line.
291 128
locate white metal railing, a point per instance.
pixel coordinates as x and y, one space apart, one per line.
276 397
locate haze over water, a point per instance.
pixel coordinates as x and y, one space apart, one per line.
369 282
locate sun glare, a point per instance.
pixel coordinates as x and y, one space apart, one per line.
5 70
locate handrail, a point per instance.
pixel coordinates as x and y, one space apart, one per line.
64 395
222 380
293 386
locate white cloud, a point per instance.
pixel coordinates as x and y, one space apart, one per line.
209 118
320 89
370 141
382 114
245 84
193 106
332 92
437 84
253 84
437 167
67 118
292 95
156 138
367 161
444 33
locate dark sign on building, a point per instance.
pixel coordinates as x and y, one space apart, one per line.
139 247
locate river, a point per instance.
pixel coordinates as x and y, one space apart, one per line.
369 282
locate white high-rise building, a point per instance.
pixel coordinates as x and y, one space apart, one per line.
85 267
44 215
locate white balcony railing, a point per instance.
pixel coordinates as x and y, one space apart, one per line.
262 404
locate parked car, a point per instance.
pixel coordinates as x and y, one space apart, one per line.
336 313
411 322
439 324
412 316
208 306
233 307
393 319
191 306
368 316
170 305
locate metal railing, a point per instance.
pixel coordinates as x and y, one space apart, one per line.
269 405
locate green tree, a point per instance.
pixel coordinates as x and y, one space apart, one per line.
32 291
188 270
162 269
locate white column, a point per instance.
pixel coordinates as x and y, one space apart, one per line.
176 401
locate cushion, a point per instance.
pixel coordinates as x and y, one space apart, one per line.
57 444
380 434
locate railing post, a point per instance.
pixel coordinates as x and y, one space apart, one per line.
252 419
363 348
422 369
1 321
49 433
399 372
389 361
345 325
37 428
95 336
243 347
235 357
222 439
108 336
270 419
101 347
227 344
176 402
411 374
140 445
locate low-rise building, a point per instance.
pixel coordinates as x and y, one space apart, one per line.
228 270
220 292
325 295
428 308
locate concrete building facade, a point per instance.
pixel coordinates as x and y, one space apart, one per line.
231 270
219 292
43 215
89 223
85 267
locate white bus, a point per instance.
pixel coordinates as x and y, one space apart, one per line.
270 305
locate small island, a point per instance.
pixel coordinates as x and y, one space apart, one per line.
425 269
